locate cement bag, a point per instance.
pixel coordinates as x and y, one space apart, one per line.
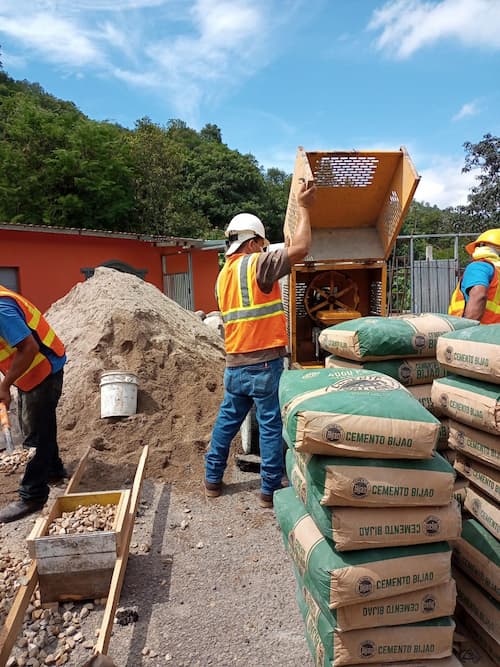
343 481
410 372
449 454
360 413
483 477
353 528
486 641
444 434
484 609
377 338
420 605
349 578
477 553
469 401
422 392
474 443
331 646
469 652
486 510
472 352
460 490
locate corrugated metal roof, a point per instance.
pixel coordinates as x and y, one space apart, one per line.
146 238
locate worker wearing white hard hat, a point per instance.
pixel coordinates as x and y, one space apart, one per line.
477 295
255 338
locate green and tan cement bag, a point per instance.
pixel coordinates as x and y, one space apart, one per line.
377 338
486 510
353 528
422 393
428 639
421 605
477 553
483 608
475 443
342 412
469 401
410 372
472 352
351 482
485 478
352 577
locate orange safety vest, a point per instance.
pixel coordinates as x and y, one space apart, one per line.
40 367
253 320
491 313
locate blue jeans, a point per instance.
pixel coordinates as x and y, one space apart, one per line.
243 386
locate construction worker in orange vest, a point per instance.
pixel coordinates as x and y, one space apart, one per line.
249 298
477 295
32 358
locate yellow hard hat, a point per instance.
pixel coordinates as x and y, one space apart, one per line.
490 237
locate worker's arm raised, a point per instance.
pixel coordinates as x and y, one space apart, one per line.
301 242
26 351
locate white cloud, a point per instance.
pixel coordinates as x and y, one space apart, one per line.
189 51
468 109
57 39
409 25
443 184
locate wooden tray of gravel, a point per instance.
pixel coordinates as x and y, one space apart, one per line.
78 565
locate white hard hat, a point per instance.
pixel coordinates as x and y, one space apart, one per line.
243 227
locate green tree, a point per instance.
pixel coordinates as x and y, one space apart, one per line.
484 199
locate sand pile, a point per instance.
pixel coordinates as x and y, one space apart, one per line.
115 321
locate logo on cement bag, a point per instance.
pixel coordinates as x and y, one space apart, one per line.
365 383
460 439
448 354
419 341
469 656
367 649
443 401
297 552
404 373
432 525
333 433
428 604
364 586
476 506
360 488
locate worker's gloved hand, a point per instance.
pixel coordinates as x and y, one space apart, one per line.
306 194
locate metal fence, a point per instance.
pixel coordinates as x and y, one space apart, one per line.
417 281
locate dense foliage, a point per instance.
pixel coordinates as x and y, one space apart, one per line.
61 168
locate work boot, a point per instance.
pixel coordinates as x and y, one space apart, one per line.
266 500
213 489
19 508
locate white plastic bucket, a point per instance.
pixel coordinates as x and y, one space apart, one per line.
118 394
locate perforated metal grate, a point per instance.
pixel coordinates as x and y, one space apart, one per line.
346 171
391 214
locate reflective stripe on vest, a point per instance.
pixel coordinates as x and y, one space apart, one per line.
491 313
40 367
253 320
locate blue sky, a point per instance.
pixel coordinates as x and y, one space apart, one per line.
275 74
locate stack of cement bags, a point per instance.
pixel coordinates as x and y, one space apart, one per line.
470 396
367 518
405 349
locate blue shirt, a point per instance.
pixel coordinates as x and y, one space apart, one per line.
477 273
13 329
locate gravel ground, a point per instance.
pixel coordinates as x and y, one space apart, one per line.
209 579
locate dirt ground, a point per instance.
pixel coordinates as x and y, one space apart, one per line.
209 579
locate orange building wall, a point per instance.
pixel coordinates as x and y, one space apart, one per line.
49 263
